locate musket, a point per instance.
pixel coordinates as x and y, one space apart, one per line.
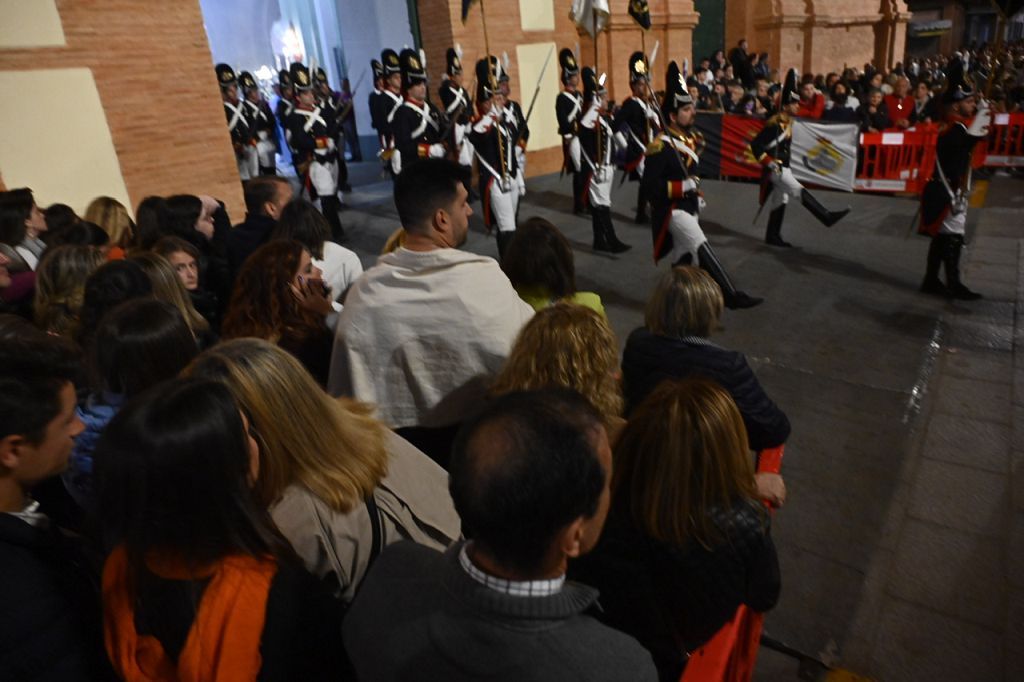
533 101
352 95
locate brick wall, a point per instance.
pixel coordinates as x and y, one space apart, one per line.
151 63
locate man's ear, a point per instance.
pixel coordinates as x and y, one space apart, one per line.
270 209
10 454
570 539
441 220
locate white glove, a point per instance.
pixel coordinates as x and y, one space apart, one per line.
689 185
979 126
485 122
521 158
521 181
436 150
590 118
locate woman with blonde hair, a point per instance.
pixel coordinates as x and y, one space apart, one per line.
111 215
570 346
338 483
681 314
60 286
687 539
167 286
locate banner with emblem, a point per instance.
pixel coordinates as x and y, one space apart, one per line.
641 13
824 154
590 16
710 126
737 132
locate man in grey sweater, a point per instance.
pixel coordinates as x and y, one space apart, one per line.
529 477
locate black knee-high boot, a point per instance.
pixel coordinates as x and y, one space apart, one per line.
734 298
579 199
828 218
605 238
330 206
932 284
951 257
773 235
503 239
641 206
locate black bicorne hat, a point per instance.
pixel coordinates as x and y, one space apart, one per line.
957 89
377 68
453 57
300 76
790 88
389 60
676 93
412 70
567 60
638 67
246 80
225 75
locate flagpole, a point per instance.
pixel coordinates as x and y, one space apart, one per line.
597 128
492 77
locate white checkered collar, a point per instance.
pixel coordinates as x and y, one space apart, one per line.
512 588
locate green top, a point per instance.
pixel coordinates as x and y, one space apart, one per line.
540 299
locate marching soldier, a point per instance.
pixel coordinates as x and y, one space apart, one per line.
242 134
596 144
944 200
283 108
262 120
517 119
771 148
458 109
314 150
568 108
672 187
388 105
636 125
416 125
373 101
330 102
493 137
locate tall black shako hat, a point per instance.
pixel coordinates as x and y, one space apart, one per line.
488 72
957 88
638 67
300 76
246 80
567 60
676 93
225 76
284 79
377 69
453 59
591 86
320 77
790 89
413 72
389 60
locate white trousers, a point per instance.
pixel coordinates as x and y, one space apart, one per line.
601 186
687 237
266 151
248 163
784 186
954 224
324 178
504 205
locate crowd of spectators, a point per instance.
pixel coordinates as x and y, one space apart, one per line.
229 448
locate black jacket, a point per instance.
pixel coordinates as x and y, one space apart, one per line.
649 359
245 238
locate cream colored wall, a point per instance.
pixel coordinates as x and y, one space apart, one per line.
537 15
56 139
30 23
543 125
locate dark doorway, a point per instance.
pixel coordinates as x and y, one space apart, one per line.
709 33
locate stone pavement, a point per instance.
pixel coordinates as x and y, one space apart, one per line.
902 544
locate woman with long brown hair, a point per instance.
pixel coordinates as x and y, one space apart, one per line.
279 296
687 540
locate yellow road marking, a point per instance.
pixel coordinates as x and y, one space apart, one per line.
979 194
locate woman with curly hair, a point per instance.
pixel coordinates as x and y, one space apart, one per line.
279 296
569 346
60 286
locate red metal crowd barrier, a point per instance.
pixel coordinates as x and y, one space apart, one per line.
897 161
730 655
1005 143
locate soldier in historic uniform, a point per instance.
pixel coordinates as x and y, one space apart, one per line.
944 200
243 137
314 150
493 137
262 121
516 118
458 109
330 103
416 125
636 124
771 148
388 105
568 109
377 69
597 142
671 185
283 108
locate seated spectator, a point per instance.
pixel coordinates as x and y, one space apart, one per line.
812 102
50 623
112 217
110 285
82 233
539 263
567 346
150 218
681 313
58 218
338 484
765 105
301 221
425 329
60 286
530 480
21 226
925 109
167 287
216 593
185 259
687 540
761 68
874 117
900 104
279 297
265 198
842 107
733 102
138 344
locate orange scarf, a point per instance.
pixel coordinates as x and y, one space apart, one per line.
223 644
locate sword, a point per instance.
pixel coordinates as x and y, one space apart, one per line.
352 94
536 91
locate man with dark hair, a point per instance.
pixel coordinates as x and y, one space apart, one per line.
424 329
530 479
50 627
265 197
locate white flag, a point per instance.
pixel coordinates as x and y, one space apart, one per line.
590 16
824 153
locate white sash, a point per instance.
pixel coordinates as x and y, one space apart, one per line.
236 115
311 118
